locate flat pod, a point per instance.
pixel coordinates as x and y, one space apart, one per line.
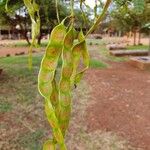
54 123
77 49
64 125
80 50
53 50
65 113
67 72
49 64
64 85
49 145
76 52
45 76
67 62
45 89
58 135
54 94
65 99
57 35
65 82
69 38
48 109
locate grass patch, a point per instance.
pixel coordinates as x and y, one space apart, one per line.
22 81
18 78
138 47
5 107
20 60
44 43
32 141
105 53
25 44
97 64
20 63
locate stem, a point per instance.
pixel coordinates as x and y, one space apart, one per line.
72 6
100 18
85 22
57 12
72 11
95 9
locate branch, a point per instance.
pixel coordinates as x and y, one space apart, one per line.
100 18
57 12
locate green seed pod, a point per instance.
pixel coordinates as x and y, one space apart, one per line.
47 84
50 60
80 49
58 96
65 81
49 145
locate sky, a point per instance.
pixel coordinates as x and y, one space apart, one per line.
91 3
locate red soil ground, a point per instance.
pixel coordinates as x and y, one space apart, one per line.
12 51
121 103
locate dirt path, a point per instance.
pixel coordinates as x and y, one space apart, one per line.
12 51
121 103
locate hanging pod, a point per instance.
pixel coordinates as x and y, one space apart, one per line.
47 84
65 81
79 51
49 145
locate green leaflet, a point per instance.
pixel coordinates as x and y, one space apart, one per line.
6 5
139 5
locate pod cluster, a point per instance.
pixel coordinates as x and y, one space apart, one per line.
57 89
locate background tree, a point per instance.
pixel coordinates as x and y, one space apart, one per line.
127 19
17 14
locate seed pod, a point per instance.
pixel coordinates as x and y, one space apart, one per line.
50 60
85 57
65 81
49 145
46 81
79 50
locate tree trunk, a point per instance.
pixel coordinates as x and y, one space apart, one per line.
139 38
26 37
134 36
24 33
1 71
149 42
40 37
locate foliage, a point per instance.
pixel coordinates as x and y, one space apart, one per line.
138 4
128 18
17 14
